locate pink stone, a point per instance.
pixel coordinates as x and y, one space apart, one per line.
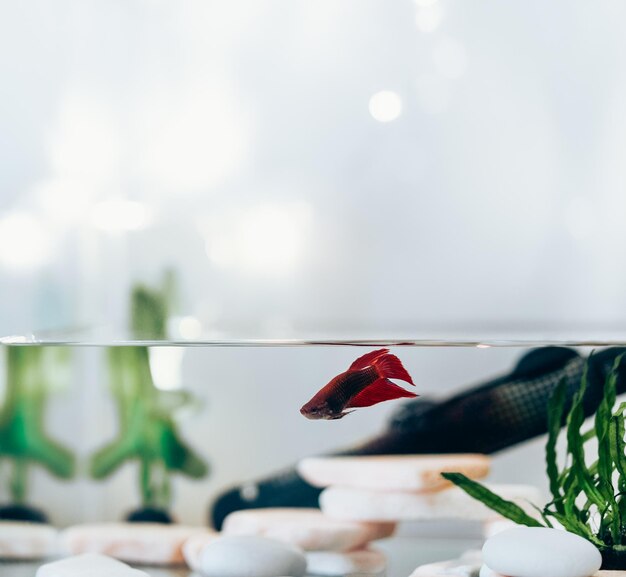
392 472
308 529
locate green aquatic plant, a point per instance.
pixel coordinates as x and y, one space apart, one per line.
23 439
588 499
148 431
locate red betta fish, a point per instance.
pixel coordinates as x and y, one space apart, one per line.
364 384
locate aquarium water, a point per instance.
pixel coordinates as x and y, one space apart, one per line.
95 431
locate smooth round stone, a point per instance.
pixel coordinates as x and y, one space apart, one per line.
141 543
193 547
19 540
467 565
391 472
486 572
233 556
331 563
453 503
308 529
496 525
88 565
541 552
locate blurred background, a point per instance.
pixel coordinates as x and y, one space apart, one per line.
327 169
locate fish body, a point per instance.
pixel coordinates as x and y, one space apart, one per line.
364 384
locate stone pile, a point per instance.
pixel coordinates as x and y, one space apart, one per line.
331 546
404 488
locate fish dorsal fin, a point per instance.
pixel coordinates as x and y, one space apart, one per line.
367 359
390 367
379 391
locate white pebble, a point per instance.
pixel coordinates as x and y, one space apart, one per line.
19 540
142 543
453 503
308 529
193 547
541 552
331 563
486 572
250 557
468 565
391 472
88 565
496 525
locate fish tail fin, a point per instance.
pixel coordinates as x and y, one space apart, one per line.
379 391
389 367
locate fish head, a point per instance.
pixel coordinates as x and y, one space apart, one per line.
316 410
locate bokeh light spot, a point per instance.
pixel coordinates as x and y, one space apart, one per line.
385 106
119 215
25 243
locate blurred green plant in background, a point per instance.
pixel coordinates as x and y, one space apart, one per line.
30 375
148 432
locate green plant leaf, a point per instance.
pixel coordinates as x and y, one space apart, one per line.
618 445
575 446
574 525
543 514
590 434
571 490
610 518
556 408
618 456
479 492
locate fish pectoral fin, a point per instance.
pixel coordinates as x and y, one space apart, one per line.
378 392
341 415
